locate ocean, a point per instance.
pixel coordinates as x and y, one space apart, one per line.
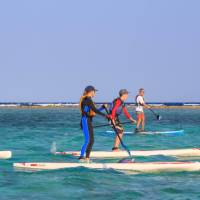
29 134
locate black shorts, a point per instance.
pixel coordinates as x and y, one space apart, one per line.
118 125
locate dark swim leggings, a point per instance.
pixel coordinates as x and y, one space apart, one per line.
89 136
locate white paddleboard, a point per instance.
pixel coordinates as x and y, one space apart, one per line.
137 167
5 154
195 152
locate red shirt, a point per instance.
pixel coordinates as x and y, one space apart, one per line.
116 107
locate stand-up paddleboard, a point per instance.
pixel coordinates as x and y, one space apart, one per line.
177 132
121 154
137 167
5 154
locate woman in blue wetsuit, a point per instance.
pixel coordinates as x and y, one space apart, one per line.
88 111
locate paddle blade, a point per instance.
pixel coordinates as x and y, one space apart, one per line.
159 117
53 148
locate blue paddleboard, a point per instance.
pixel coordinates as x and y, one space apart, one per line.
177 132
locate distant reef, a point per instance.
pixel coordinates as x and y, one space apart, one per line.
158 105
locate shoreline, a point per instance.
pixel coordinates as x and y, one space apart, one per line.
196 107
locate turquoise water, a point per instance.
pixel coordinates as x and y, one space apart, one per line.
29 133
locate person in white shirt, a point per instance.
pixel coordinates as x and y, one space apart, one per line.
140 105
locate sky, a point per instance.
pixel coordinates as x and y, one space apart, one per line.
51 49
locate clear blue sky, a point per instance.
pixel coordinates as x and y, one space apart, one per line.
51 49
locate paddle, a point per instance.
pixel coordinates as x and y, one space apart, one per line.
116 132
158 117
98 126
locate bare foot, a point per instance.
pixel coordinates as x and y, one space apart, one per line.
115 149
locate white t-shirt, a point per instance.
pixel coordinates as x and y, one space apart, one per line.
139 102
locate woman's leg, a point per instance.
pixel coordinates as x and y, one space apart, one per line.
143 121
138 120
86 135
91 139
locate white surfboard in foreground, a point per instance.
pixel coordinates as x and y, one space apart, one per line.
5 154
195 152
137 167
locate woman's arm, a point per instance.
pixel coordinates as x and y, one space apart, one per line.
93 107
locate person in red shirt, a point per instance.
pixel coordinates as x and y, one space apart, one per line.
116 109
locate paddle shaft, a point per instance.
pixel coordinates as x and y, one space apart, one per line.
153 111
98 126
157 116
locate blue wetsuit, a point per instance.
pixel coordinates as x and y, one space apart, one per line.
86 124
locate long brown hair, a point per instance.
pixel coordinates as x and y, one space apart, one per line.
85 93
92 113
81 98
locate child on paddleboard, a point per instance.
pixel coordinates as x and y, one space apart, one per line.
116 109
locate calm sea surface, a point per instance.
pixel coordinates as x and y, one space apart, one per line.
29 133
